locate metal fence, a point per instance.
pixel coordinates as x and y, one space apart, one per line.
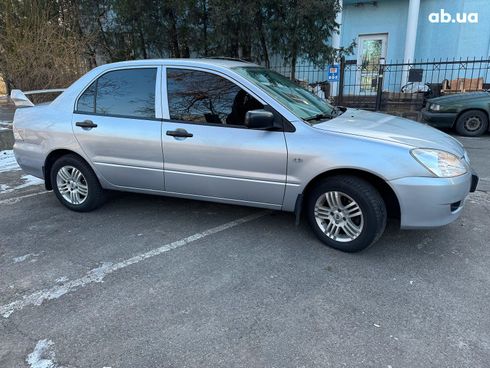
395 86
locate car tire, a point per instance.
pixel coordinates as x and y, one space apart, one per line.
76 185
472 123
346 213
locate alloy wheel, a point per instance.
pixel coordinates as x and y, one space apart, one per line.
339 216
72 185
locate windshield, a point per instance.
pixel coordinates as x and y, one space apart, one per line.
298 100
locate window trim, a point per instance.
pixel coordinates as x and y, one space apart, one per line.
158 96
117 116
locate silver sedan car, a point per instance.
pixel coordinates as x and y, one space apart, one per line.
233 132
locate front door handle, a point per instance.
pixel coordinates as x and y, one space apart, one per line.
86 124
180 133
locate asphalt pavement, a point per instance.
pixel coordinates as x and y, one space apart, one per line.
150 281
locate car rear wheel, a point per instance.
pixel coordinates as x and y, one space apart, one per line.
472 123
346 213
76 185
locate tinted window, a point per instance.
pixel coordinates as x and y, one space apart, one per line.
129 92
202 97
86 102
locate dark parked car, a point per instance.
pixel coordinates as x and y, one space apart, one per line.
466 112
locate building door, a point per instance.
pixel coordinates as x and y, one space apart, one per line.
371 49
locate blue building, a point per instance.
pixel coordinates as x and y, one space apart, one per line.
408 31
404 30
423 41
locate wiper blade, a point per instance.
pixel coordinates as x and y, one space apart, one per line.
318 117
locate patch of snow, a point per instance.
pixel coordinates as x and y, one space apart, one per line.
61 280
7 161
6 125
27 181
24 257
43 356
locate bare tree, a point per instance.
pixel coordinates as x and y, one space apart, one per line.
38 47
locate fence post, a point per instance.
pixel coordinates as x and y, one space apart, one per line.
379 91
340 93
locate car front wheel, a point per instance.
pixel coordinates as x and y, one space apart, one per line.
346 213
472 123
75 184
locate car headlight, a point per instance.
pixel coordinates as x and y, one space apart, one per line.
434 107
441 163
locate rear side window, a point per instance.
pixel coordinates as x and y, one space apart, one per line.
125 93
86 102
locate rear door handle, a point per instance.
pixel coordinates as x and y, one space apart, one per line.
180 133
86 124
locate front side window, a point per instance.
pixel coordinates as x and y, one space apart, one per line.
202 97
125 93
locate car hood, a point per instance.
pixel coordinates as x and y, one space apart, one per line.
460 97
393 129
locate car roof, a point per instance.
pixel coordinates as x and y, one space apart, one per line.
220 62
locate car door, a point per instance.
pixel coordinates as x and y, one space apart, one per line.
117 125
209 152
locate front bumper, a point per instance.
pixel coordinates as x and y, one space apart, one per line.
427 202
439 119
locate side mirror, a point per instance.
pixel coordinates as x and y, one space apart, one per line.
259 119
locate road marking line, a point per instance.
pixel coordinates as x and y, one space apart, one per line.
98 274
18 199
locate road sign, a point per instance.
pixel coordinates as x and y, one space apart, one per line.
333 73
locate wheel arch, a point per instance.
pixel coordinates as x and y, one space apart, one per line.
466 109
385 190
51 159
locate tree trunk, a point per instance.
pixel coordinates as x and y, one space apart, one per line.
185 50
294 57
263 42
104 38
92 60
174 40
205 27
143 43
